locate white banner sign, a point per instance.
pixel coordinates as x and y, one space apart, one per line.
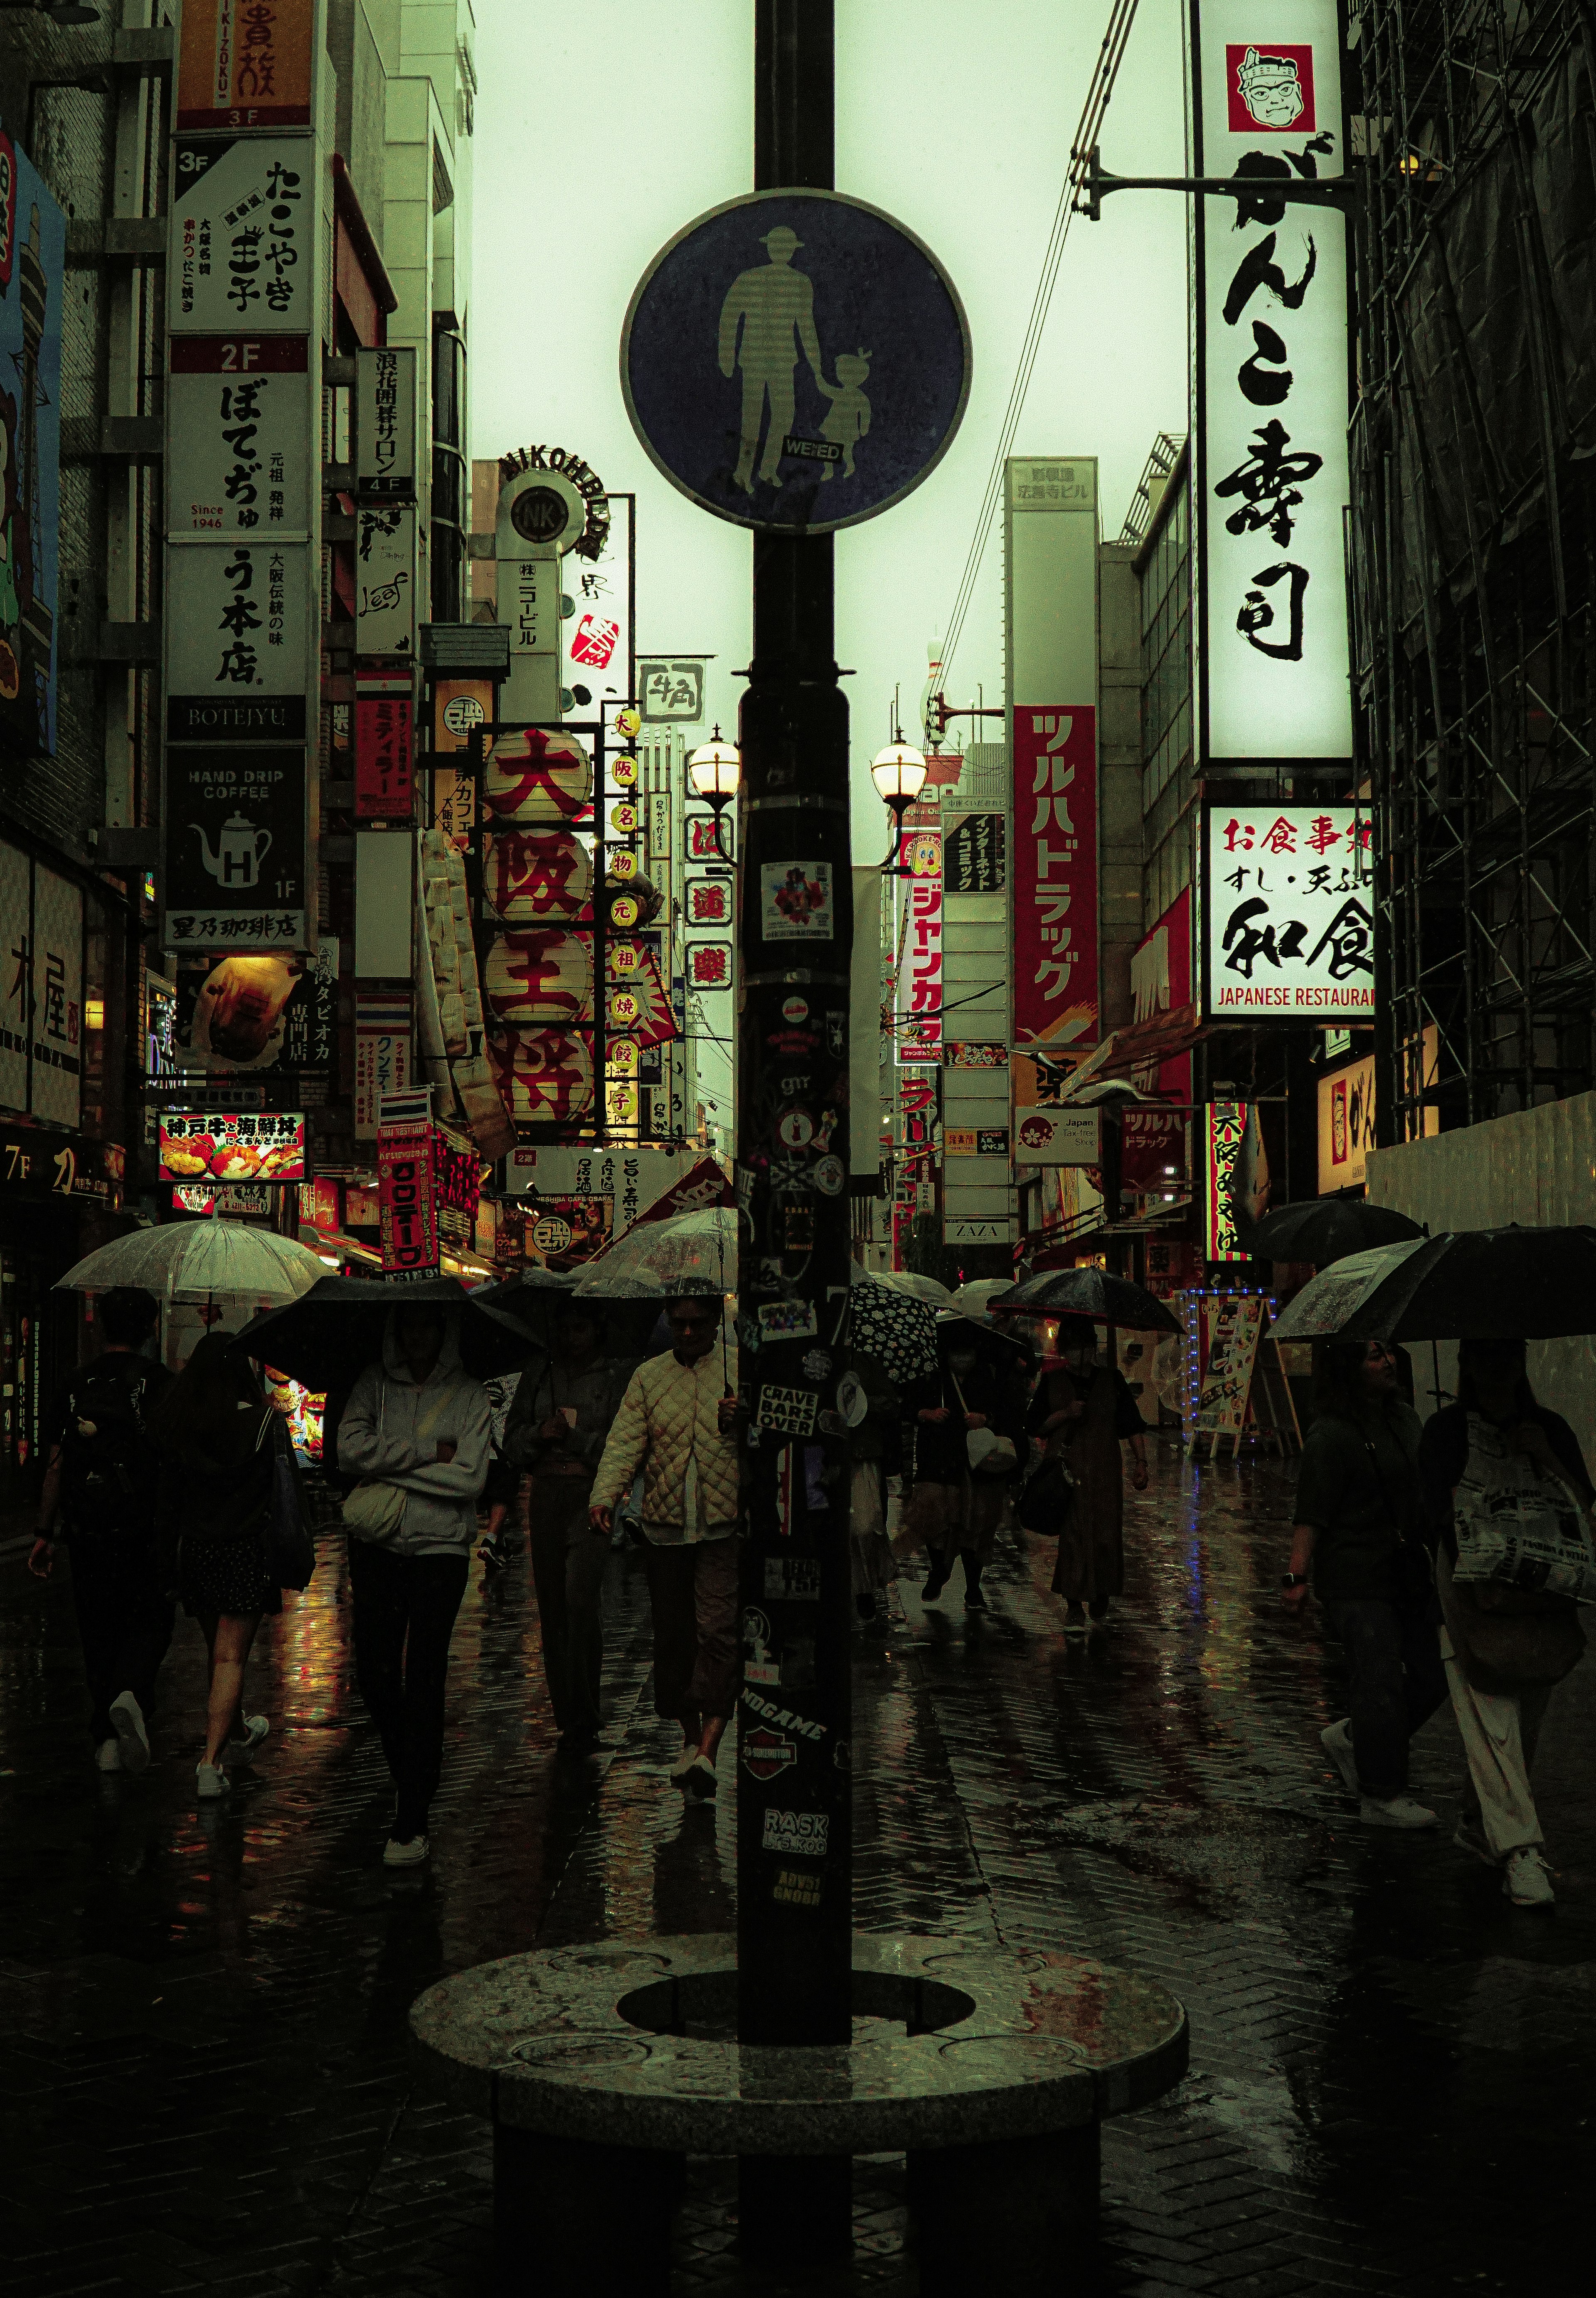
238 428
1289 913
386 420
237 641
596 634
386 578
1272 381
242 248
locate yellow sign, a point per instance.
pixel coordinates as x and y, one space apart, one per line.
625 957
458 706
623 772
620 1057
623 864
246 63
1346 1116
623 819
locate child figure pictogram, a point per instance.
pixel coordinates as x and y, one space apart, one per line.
849 415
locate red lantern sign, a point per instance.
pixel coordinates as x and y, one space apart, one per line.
537 978
544 1076
537 777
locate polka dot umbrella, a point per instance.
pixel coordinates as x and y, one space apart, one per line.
892 1327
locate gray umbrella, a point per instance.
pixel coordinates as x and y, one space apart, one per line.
1484 1285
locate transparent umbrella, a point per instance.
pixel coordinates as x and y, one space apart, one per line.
924 1288
691 1252
196 1260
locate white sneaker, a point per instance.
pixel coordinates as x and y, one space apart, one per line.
1336 1740
1394 1811
685 1762
211 1781
413 1854
698 1780
129 1718
108 1755
255 1729
1524 1878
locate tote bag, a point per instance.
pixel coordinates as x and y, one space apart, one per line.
1516 1525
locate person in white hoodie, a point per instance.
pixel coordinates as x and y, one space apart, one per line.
416 1429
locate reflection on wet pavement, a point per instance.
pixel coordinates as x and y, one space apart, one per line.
203 2013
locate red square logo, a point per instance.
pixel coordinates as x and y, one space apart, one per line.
1269 87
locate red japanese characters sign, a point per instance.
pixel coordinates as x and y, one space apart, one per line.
408 1211
1055 877
384 757
1153 1153
1289 913
709 966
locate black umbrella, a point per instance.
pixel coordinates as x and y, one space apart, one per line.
1092 1292
1476 1285
329 1334
1325 1229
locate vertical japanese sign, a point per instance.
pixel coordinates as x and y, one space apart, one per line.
238 436
384 753
1055 877
1226 1123
386 420
596 637
234 862
919 970
386 578
237 642
242 243
408 1212
1289 913
41 990
1050 582
1270 294
32 254
382 1055
246 63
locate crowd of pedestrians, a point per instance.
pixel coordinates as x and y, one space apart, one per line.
170 1490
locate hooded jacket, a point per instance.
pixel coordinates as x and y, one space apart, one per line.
390 1430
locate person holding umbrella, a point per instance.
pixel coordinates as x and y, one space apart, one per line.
1357 1535
967 1424
1084 1411
417 1431
1493 1459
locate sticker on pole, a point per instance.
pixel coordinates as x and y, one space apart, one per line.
796 1834
766 1754
795 360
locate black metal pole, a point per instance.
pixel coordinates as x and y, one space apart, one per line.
794 1819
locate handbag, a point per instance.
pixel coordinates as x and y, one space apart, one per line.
375 1510
286 1538
988 1453
1047 1500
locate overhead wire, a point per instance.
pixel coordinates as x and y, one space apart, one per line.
1105 72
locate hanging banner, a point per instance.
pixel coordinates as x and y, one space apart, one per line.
386 578
1289 913
408 1216
1226 1123
595 610
238 419
382 1055
385 753
237 642
233 871
919 971
32 257
241 247
1055 878
246 63
1271 480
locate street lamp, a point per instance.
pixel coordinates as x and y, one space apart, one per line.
898 773
713 773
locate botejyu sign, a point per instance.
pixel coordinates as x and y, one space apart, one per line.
1270 297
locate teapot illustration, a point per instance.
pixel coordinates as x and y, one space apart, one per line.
241 848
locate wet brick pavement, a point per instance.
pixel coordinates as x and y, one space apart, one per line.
203 2014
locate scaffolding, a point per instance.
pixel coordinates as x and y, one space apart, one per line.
1472 540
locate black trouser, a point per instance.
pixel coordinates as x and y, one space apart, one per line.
567 1567
404 1613
1396 1680
125 1624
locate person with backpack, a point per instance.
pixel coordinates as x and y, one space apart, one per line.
219 1443
101 1483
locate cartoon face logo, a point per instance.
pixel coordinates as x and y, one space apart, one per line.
1270 87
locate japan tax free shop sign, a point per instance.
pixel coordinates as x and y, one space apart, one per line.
1287 913
795 360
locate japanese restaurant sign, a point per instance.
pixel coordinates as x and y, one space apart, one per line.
1055 877
1272 385
1225 1124
408 1214
241 251
262 1145
246 63
238 422
1289 913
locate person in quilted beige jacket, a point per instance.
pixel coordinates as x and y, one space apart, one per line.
677 1421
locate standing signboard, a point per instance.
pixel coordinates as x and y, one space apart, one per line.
1272 377
1050 526
1289 913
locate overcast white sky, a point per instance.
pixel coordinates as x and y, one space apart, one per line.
601 130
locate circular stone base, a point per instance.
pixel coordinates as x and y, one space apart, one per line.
628 2044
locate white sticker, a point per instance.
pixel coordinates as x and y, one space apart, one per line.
790 1410
801 1833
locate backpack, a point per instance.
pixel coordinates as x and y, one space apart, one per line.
110 1464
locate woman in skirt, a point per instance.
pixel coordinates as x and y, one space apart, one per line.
214 1428
1085 1412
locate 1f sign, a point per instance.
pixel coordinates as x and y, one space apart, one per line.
1272 484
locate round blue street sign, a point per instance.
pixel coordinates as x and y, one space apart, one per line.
795 360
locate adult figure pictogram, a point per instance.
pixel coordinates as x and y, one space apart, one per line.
765 305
